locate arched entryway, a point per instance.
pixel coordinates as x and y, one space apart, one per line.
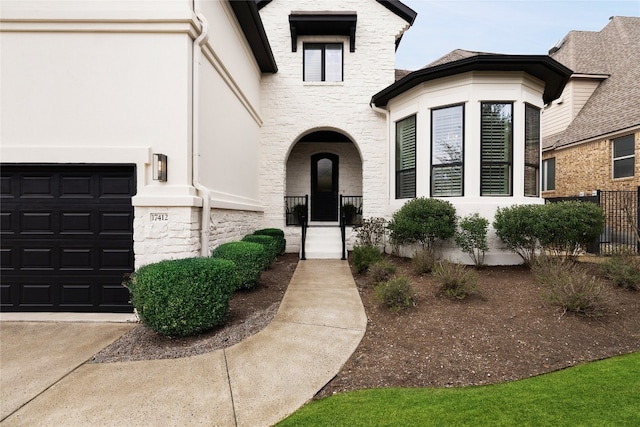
326 167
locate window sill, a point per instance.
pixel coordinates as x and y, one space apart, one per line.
323 83
624 178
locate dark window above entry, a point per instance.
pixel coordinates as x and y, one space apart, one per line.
323 24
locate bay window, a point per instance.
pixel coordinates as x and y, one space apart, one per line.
447 141
406 158
496 152
531 151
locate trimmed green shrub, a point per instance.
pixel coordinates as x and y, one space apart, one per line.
472 237
517 227
423 261
423 221
456 280
396 294
570 287
270 244
277 234
624 270
249 258
364 257
566 228
183 297
381 271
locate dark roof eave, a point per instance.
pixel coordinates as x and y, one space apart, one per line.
246 12
400 9
545 68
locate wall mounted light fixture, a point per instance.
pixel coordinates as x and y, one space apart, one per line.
159 167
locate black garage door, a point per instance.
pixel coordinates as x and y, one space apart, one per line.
66 237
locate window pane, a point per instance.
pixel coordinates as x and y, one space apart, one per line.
549 174
623 168
325 175
312 64
406 184
446 152
531 151
446 181
406 158
496 152
623 146
333 63
531 183
496 180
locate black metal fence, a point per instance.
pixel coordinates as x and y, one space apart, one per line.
351 207
622 219
295 208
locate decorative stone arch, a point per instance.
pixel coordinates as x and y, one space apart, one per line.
301 172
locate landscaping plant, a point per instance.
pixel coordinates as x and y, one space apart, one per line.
569 287
364 257
371 232
517 227
624 269
423 221
277 234
249 258
566 228
423 261
472 237
456 280
381 271
395 294
271 245
185 296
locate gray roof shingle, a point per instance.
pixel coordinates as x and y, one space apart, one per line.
615 104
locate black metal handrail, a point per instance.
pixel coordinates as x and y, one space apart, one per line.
304 237
343 234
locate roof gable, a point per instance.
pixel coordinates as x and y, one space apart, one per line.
613 107
395 6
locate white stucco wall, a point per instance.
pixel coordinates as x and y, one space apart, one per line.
469 89
112 82
229 113
293 108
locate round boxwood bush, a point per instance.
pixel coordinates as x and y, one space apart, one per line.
249 259
277 234
517 226
271 245
566 228
423 221
183 297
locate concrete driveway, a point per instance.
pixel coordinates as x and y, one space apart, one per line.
34 356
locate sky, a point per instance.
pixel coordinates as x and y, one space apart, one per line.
527 27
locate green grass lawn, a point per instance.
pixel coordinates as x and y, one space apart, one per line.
603 393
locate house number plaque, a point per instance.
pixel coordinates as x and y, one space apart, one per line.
159 217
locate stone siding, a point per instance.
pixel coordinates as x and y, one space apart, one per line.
232 225
165 233
295 108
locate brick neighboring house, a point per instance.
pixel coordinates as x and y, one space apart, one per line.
591 133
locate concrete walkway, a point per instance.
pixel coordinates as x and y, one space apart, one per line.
257 382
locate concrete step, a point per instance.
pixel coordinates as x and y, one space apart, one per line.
323 243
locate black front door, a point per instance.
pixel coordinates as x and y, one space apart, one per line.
324 187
